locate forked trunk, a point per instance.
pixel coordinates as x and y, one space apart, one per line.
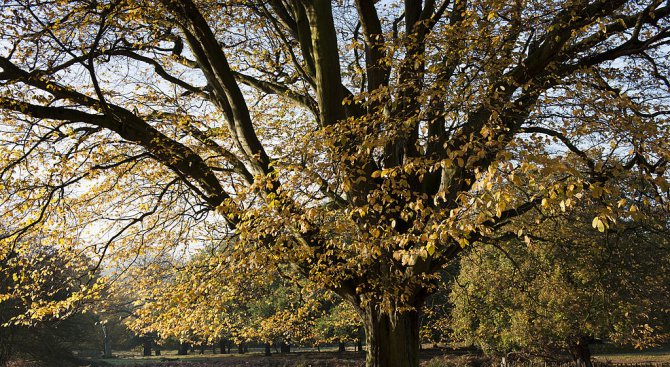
392 340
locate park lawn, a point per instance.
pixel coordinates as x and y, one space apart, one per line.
646 356
249 359
131 358
347 358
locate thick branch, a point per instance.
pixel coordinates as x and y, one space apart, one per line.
220 77
327 61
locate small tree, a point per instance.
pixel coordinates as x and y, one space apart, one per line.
41 315
567 286
337 323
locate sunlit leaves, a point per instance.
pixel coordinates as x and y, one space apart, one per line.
143 132
571 281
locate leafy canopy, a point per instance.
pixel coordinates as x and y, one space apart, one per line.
361 144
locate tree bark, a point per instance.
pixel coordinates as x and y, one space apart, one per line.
6 350
146 346
341 347
222 345
392 340
581 354
285 347
240 348
268 352
183 349
107 343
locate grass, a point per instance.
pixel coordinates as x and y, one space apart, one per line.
657 355
251 359
133 358
255 357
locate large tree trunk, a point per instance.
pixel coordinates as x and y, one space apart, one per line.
392 340
581 354
223 343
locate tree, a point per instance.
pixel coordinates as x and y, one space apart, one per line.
360 143
436 317
337 323
566 288
48 327
256 305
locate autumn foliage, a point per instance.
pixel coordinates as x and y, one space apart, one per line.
359 145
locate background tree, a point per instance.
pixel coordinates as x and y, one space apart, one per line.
41 318
361 144
436 318
338 324
255 305
567 287
282 313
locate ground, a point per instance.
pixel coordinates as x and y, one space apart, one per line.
429 357
657 355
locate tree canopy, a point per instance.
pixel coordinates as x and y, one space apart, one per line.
361 144
566 288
